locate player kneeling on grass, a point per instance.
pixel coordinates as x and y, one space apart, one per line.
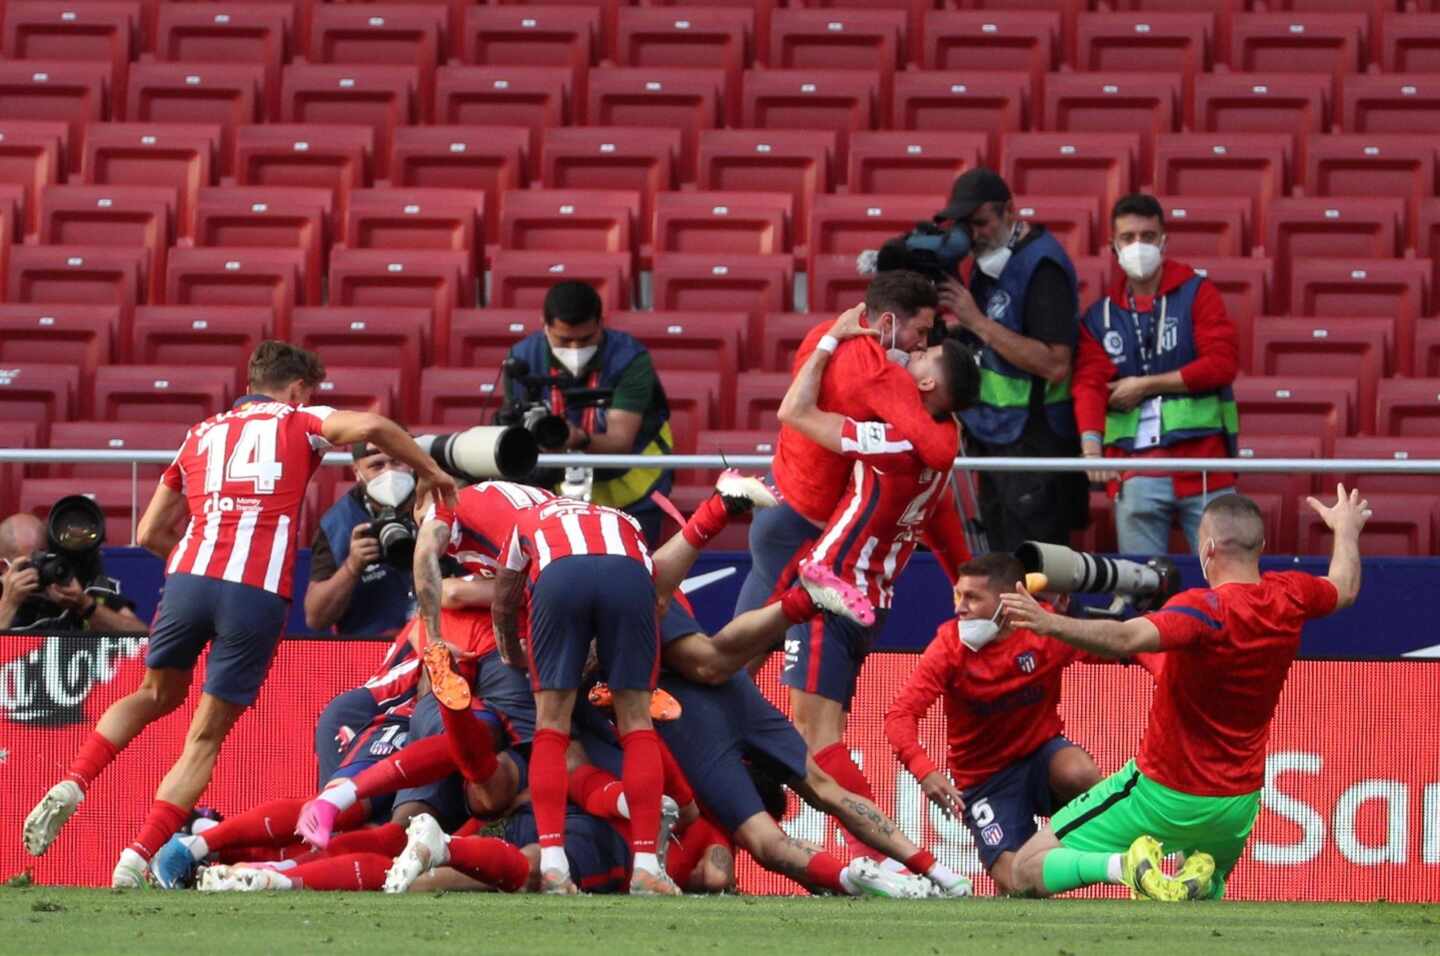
1195 786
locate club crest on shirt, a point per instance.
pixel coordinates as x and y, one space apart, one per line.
992 835
1026 662
998 305
1114 344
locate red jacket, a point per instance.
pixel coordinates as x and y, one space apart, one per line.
1216 364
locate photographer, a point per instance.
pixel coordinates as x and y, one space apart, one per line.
574 346
1017 304
353 588
49 588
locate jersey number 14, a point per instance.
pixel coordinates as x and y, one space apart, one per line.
252 460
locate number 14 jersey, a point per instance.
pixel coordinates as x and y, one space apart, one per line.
243 474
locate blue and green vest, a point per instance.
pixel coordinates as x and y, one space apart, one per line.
382 600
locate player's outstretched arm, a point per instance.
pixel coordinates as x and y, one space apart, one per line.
157 532
1346 518
1105 638
430 543
799 409
347 428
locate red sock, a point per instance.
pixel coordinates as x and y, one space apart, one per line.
353 872
417 763
163 822
920 862
824 870
472 745
270 824
387 840
709 519
548 785
676 784
94 756
837 762
490 861
596 792
797 605
644 776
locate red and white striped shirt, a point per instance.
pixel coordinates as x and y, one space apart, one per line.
396 679
883 511
244 474
482 520
566 528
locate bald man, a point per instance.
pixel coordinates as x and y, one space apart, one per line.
95 604
1195 787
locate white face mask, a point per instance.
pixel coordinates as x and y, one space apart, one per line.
977 633
894 353
1140 260
992 262
390 488
575 360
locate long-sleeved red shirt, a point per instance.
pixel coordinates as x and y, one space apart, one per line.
1216 363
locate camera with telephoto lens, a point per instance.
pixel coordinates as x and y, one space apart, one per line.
1141 587
396 533
485 451
75 530
533 413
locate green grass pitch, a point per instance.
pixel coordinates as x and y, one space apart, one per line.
49 920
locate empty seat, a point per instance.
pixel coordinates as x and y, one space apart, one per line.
787 161
461 397
226 33
82 336
1390 104
1410 43
779 338
1145 42
434 279
408 218
1388 448
694 405
685 99
269 278
337 158
78 275
96 32
1144 103
989 103
268 216
681 342
1297 405
1092 277
1408 407
1333 228
598 157
1359 349
40 393
167 155
758 399
146 393
1225 164
723 223
834 284
1298 42
361 389
1295 103
1400 525
991 41
369 337
1287 488
392 34
841 39
1244 284
851 224
520 279
607 11
535 97
1206 225
115 496
489 160
912 162
1072 164
1397 288
1425 361
578 220
534 36
183 335
715 283
131 216
32 155
1367 165
59 92
14 435
1076 221
481 338
227 95
839 101
381 97
693 37
115 436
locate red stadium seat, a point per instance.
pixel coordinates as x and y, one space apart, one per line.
1339 227
734 442
784 161
1092 275
145 393
1285 488
983 42
115 496
56 91
1425 362
391 34
682 98
1401 525
681 342
434 279
1146 42
993 104
14 435
715 223
490 160
225 95
1408 407
520 279
1406 104
113 216
1395 288
1072 164
535 97
448 219
534 36
600 157
268 216
337 158
78 275
852 224
381 97
167 155
608 12
230 33
1298 43
1076 221
872 39
1225 164
759 399
1206 225
912 162
693 37
359 337
461 397
80 335
1298 405
361 389
1244 285
75 30
481 338
1410 43
1360 349
1368 166
773 350
570 220
1297 103
115 436
694 405
834 284
184 335
40 393
1385 448
32 156
1427 235
1144 103
839 101
265 277
716 283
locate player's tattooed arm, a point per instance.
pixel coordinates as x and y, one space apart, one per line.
504 614
430 543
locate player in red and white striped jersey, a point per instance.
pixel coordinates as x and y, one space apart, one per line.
241 476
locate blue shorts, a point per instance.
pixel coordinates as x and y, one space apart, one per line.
776 536
1000 811
677 622
507 691
594 731
345 717
243 624
599 856
824 657
718 730
446 798
369 747
607 597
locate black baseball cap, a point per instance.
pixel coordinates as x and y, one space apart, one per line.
973 189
